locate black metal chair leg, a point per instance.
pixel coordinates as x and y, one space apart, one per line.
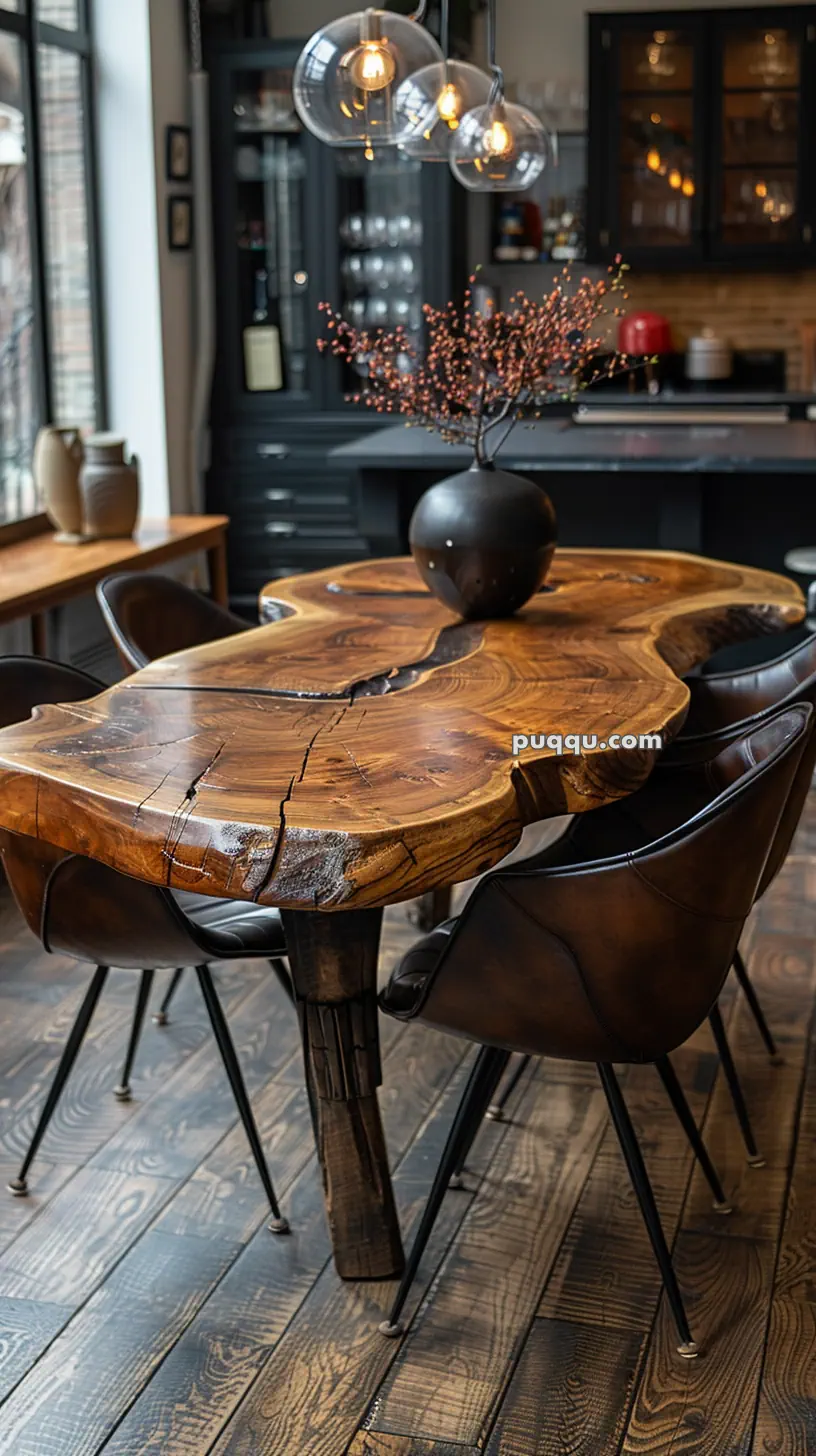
755 1158
480 1087
496 1109
161 1015
643 1189
477 1115
19 1185
122 1092
226 1047
668 1077
755 1009
283 977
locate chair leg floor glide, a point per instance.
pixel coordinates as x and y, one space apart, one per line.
19 1185
482 1083
160 1017
755 1158
122 1092
226 1047
496 1109
677 1097
630 1148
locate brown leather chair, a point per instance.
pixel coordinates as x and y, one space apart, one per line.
604 961
668 796
721 700
150 616
81 908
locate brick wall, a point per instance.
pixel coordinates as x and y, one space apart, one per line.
751 310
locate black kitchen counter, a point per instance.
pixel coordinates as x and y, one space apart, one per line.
768 449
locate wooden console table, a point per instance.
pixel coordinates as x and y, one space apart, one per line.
37 573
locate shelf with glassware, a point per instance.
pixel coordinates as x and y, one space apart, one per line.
296 223
701 137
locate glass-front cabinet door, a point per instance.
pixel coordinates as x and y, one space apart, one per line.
645 166
702 137
763 124
269 242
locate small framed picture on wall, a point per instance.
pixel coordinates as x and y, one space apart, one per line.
179 154
180 224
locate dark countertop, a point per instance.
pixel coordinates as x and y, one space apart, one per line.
558 444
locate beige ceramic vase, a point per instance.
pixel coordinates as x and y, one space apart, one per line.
57 462
110 488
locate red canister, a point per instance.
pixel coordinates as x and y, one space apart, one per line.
644 334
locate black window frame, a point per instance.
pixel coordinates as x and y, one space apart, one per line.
32 34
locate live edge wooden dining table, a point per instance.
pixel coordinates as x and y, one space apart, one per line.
357 751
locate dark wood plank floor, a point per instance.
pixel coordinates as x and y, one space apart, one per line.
145 1308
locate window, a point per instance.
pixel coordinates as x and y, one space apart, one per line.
50 348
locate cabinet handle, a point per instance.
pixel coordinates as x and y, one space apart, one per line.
279 495
273 452
280 528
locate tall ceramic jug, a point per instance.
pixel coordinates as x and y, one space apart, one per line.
57 462
110 488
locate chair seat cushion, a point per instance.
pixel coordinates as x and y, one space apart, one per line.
233 928
402 996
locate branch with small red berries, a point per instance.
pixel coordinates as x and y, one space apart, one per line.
479 373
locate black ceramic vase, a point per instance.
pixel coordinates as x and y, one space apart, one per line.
483 541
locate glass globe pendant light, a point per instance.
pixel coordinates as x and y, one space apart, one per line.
498 147
347 75
433 100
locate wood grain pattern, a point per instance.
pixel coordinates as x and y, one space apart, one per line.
605 1261
508 1244
37 573
700 1406
570 1392
357 751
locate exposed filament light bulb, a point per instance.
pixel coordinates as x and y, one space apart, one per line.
497 139
372 66
449 104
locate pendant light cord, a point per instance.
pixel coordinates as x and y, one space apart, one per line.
497 89
444 28
419 14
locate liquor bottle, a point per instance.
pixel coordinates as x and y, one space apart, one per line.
263 361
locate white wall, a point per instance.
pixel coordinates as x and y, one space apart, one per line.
129 239
171 107
141 87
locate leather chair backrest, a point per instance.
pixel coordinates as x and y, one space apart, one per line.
25 682
76 905
621 959
151 616
724 699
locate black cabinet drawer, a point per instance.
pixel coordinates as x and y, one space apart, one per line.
306 492
276 535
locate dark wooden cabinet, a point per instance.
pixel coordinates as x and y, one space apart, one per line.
297 222
701 137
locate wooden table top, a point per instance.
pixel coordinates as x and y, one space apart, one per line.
38 572
358 751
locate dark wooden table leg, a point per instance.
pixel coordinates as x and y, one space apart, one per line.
333 959
217 564
433 908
